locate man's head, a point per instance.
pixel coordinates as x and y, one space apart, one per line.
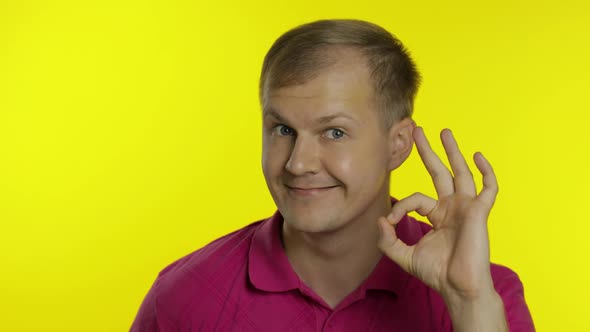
337 98
301 53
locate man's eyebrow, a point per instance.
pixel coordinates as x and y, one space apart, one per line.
272 112
328 118
322 120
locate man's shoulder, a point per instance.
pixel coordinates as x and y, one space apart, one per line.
505 279
506 282
236 242
205 270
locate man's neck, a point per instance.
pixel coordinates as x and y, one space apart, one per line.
334 264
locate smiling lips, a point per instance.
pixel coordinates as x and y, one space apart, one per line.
309 191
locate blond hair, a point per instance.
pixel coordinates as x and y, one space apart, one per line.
301 53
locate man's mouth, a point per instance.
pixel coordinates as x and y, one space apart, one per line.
309 191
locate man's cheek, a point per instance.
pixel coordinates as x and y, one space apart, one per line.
344 164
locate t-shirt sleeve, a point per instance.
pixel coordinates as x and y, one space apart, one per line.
149 318
510 288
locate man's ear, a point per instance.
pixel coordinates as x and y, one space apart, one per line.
401 142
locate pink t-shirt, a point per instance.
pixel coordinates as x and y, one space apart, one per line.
244 282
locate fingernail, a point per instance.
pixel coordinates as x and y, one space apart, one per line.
385 238
390 217
380 229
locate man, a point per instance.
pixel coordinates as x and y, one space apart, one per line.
340 254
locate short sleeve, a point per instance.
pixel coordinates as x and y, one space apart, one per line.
510 288
149 318
145 320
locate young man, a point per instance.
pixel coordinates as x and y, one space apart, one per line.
340 254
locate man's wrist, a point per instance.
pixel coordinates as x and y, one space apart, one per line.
484 312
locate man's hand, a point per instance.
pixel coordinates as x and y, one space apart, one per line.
454 257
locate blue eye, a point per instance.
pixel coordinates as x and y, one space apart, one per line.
335 133
283 130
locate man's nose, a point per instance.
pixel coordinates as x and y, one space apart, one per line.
304 157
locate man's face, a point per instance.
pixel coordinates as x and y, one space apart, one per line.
325 152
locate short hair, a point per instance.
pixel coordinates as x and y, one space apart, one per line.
301 53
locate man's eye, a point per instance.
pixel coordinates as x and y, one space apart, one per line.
283 130
335 133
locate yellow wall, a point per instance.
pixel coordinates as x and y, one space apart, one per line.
130 136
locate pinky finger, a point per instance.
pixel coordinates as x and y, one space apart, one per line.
490 184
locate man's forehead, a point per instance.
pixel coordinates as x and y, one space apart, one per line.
332 94
317 105
343 77
342 90
326 89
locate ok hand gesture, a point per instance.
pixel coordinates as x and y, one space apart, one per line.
453 258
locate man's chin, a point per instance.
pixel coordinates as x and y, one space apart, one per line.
315 224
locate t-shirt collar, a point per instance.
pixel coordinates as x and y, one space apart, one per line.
269 268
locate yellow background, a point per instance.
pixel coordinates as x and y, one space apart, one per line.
130 136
